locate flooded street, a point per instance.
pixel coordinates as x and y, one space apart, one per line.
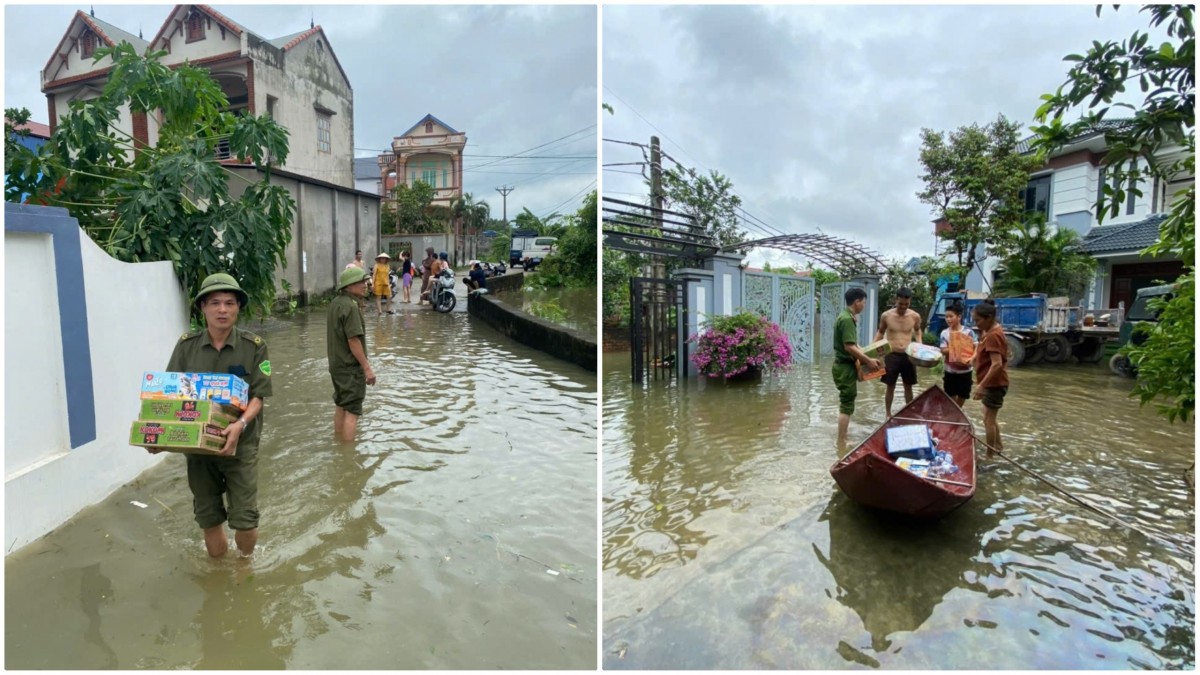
458 532
570 307
727 545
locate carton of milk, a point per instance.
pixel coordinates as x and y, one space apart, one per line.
223 388
914 441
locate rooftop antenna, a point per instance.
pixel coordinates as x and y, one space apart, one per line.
312 22
93 11
140 32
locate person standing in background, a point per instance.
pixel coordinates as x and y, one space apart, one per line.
406 275
382 288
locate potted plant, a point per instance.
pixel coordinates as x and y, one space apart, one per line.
742 345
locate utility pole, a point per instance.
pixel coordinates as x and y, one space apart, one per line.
659 346
504 192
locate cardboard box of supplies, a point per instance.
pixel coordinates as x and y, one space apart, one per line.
223 388
189 437
914 441
211 412
875 350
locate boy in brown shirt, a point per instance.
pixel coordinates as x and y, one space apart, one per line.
991 370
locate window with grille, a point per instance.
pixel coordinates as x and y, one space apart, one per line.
195 27
87 44
324 136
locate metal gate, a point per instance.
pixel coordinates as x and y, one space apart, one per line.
657 308
790 302
833 301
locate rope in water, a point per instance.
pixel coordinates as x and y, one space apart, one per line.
1111 516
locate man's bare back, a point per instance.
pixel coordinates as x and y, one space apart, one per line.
900 329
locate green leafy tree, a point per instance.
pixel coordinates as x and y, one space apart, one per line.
13 118
574 260
1039 259
473 215
709 200
170 201
408 212
973 178
1161 134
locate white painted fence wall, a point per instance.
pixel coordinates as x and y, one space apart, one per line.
80 328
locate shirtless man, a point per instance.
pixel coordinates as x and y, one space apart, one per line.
901 327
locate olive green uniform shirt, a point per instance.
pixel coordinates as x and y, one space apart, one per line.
244 355
344 321
845 329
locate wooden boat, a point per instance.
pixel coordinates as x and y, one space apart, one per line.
870 477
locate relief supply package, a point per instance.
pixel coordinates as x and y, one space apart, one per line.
218 387
188 437
188 411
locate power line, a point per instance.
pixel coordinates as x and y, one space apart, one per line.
568 199
768 228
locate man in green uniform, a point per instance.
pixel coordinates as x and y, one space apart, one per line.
346 345
845 353
222 347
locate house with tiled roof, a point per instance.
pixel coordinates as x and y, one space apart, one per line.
1065 191
296 79
430 151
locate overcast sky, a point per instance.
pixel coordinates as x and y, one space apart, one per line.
510 77
815 112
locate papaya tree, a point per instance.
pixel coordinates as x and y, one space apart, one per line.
170 201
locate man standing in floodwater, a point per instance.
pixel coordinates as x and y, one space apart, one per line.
846 353
902 327
346 347
222 347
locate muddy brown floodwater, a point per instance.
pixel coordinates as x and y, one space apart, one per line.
726 544
459 531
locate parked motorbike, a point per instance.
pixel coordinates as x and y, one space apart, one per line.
441 291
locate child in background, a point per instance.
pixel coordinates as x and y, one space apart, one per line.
956 381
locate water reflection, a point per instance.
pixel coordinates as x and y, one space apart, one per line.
727 545
570 307
457 532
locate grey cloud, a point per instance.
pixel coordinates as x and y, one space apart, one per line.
814 112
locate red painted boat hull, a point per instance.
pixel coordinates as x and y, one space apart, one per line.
869 476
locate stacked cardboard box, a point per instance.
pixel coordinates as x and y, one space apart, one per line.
186 412
875 350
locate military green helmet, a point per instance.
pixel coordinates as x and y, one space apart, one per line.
221 282
351 275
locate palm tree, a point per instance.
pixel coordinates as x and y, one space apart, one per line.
550 226
1041 259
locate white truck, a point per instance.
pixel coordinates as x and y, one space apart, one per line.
536 250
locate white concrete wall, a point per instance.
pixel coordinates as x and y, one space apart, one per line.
134 315
1072 189
31 330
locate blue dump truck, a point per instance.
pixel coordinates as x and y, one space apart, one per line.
1037 328
521 240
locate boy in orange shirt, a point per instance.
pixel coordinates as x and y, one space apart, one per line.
991 370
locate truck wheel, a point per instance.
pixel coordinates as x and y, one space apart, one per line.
1120 365
1034 354
1090 350
1058 350
1016 351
